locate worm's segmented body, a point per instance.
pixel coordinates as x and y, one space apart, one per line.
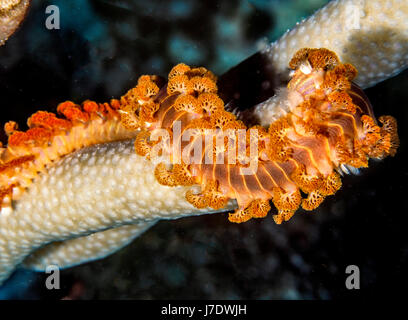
325 127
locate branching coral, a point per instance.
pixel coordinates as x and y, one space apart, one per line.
370 35
12 12
92 194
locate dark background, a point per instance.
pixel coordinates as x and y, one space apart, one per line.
99 52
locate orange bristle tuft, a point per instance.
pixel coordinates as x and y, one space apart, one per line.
17 162
147 112
33 137
179 84
48 120
72 112
201 72
221 119
390 127
307 183
91 106
183 175
50 137
240 215
313 200
131 98
336 80
342 100
318 58
286 200
210 102
164 176
330 185
299 57
188 103
283 215
323 59
203 84
142 144
197 200
146 90
256 209
216 199
10 127
129 118
179 70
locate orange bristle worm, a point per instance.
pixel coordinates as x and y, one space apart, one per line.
326 128
317 128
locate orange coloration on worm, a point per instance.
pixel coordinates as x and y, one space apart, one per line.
72 112
299 157
295 161
49 137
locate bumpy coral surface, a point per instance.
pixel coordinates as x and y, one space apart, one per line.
12 12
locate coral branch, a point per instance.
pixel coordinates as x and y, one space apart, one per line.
12 13
89 179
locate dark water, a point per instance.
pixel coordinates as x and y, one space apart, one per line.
99 52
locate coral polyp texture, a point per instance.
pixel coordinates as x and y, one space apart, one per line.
322 127
12 13
372 35
67 181
78 186
49 138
